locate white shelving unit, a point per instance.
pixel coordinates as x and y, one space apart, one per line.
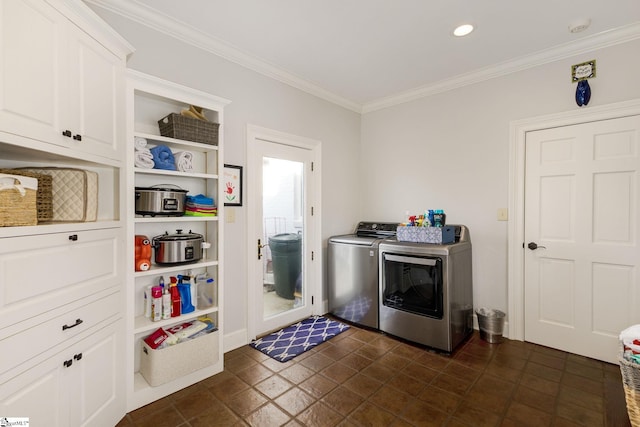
149 100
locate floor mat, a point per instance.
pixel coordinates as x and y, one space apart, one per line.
294 340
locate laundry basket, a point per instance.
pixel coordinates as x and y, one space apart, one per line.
630 371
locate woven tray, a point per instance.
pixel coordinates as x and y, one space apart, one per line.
44 194
631 382
181 127
16 209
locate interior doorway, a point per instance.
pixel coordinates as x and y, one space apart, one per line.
563 288
283 229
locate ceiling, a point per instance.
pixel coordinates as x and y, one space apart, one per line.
365 54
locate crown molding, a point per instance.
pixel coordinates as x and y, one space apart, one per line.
584 45
151 18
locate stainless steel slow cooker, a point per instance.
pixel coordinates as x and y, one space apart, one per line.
178 248
163 200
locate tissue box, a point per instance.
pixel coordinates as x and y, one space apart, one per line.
438 235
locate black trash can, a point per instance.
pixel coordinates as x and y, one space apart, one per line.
286 256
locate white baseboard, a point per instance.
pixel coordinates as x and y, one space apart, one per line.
235 340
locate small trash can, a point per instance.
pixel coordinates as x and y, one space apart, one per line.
491 323
286 256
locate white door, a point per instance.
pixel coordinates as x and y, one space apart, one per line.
582 188
283 242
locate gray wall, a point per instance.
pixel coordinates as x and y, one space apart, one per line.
451 151
264 102
447 151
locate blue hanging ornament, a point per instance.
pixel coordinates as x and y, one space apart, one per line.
583 93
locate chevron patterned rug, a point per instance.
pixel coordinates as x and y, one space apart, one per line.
294 340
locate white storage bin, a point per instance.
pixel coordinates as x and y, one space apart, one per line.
167 364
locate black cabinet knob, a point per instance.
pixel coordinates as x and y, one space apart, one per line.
77 137
66 133
73 237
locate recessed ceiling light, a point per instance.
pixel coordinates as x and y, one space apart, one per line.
463 30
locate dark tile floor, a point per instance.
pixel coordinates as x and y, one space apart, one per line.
364 378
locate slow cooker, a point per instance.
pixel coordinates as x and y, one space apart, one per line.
162 200
179 248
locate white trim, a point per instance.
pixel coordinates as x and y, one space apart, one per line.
585 45
518 132
153 19
235 340
165 24
315 224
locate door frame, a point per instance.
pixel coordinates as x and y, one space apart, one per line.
314 268
518 130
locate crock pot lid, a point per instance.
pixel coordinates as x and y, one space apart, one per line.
179 236
176 190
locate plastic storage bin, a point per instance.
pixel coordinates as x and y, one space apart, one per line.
286 254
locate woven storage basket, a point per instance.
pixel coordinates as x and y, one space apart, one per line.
15 208
631 382
44 195
190 129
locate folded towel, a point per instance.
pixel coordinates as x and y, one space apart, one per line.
184 161
143 159
163 158
140 143
200 199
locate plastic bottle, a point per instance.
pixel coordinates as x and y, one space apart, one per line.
147 301
156 303
175 298
206 292
166 303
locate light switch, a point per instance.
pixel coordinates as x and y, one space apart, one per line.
229 215
503 214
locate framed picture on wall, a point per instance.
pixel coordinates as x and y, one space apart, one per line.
232 180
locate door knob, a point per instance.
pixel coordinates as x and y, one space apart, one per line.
533 246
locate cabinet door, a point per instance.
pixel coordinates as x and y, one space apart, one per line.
95 110
32 49
97 394
79 386
38 394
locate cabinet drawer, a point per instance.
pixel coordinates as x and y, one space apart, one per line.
41 272
20 347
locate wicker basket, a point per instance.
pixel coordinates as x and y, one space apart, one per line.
44 194
631 382
190 129
15 208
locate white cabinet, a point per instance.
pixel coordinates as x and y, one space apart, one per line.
78 386
149 100
58 84
62 299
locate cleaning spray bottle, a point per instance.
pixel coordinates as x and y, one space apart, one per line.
175 297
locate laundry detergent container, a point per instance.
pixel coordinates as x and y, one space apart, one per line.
286 256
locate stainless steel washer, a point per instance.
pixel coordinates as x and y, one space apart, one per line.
352 272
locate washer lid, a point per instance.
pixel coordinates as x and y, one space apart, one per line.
352 239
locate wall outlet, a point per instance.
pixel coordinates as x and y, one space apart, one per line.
229 215
503 214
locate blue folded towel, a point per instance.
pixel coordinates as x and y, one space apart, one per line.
163 158
200 199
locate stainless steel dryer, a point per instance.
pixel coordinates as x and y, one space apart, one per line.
426 291
352 272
